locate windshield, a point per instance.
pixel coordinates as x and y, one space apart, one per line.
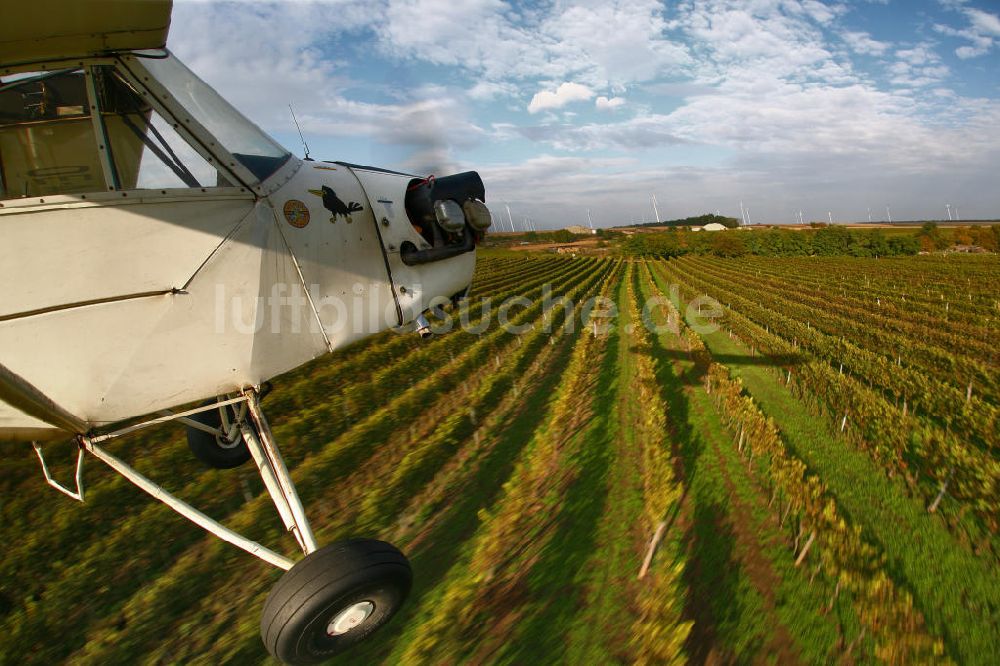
258 152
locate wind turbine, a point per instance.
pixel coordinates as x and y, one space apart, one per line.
957 218
888 214
656 213
743 215
590 220
869 214
800 217
948 206
829 216
509 218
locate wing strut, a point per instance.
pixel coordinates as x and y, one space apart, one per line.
257 434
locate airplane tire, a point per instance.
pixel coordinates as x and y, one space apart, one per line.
213 450
333 599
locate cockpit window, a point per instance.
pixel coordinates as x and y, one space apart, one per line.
258 152
47 143
146 150
51 144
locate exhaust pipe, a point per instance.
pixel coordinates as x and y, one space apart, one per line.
423 327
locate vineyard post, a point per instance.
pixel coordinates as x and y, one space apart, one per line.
941 492
805 549
657 536
850 648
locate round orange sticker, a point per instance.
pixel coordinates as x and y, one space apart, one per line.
296 213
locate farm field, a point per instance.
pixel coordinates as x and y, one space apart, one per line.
790 460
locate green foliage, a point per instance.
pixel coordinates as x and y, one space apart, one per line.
864 459
931 238
652 245
557 236
728 245
696 221
825 240
832 241
388 438
987 237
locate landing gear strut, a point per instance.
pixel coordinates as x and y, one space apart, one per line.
328 601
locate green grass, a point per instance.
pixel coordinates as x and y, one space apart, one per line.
123 580
958 593
726 607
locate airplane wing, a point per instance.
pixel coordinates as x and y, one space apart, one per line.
17 392
53 29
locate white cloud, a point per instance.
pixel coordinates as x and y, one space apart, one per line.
604 104
982 31
619 42
566 93
862 42
597 44
488 90
223 44
984 22
737 95
917 67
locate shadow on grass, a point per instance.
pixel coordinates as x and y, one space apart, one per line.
782 360
710 573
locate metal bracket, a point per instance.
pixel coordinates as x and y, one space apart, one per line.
229 428
253 427
275 474
78 495
185 509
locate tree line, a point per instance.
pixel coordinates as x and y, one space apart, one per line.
821 241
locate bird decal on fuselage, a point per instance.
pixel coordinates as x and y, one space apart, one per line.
333 204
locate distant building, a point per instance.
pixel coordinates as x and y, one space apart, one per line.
579 229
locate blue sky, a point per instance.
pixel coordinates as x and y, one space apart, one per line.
785 105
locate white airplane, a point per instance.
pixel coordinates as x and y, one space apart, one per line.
158 249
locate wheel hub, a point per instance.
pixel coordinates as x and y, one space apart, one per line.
225 443
349 618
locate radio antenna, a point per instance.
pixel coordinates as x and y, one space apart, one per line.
305 146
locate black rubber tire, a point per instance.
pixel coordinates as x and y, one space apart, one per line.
208 449
312 593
